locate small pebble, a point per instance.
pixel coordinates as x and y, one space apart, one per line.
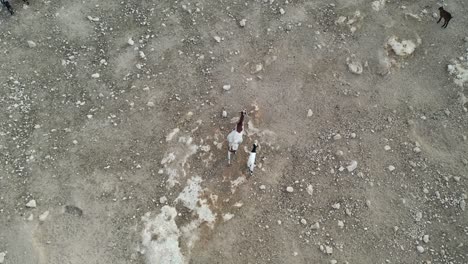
227 87
130 42
391 168
310 113
281 10
352 166
420 249
387 148
315 226
262 187
289 189
340 224
417 150
426 239
303 221
2 257
217 39
224 114
337 137
336 206
242 22
31 44
95 75
43 216
31 204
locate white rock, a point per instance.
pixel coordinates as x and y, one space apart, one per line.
353 135
30 217
462 205
281 10
31 44
336 206
150 104
289 189
226 87
340 224
31 204
403 48
426 239
328 250
130 42
391 168
418 216
243 22
339 153
333 261
95 75
435 15
142 55
2 257
355 67
310 113
352 166
337 137
417 150
227 217
378 5
340 20
262 187
75 142
43 216
466 39
303 221
387 148
420 249
93 19
310 189
162 199
315 226
217 39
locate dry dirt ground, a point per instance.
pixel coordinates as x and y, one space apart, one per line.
112 139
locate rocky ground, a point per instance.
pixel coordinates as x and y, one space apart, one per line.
114 116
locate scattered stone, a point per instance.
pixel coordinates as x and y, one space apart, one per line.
368 203
339 153
242 22
73 210
32 44
353 135
403 48
391 168
333 261
310 189
417 150
93 19
352 166
150 104
420 249
456 178
348 212
426 239
279 222
281 10
328 250
310 113
162 199
262 187
227 217
336 206
258 68
340 20
289 189
226 87
2 257
295 253
224 114
337 137
462 205
130 42
217 39
354 66
75 142
43 216
418 216
303 221
435 15
340 224
31 204
95 75
387 148
30 217
378 5
315 226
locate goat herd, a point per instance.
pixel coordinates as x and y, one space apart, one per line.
235 139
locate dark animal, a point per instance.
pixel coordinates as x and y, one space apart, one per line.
445 15
7 4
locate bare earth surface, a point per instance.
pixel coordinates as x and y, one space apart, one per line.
113 144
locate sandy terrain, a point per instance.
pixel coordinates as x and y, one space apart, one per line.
113 145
